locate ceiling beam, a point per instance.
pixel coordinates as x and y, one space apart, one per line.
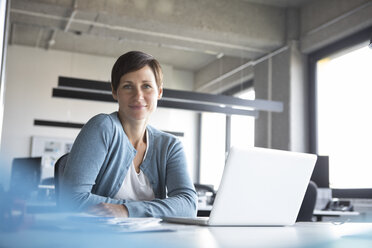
140 31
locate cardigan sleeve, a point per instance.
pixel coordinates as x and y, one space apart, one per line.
182 198
84 163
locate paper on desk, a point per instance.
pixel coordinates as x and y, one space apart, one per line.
130 222
135 224
123 224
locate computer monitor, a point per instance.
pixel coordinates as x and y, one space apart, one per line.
25 176
321 172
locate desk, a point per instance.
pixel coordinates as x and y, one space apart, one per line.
319 214
314 234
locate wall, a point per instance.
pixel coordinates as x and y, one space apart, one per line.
31 75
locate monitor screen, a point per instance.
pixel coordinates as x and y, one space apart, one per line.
321 172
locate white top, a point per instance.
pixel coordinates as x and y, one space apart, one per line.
136 186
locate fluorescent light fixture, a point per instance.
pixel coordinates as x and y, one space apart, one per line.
187 100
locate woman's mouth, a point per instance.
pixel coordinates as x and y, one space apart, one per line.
137 107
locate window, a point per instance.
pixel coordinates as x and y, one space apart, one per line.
344 88
242 127
214 140
212 149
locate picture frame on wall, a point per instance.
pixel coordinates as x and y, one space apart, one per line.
50 149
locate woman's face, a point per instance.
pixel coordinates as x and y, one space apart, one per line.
137 94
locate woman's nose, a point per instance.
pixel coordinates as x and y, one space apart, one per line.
138 93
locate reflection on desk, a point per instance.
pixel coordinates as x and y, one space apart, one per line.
311 234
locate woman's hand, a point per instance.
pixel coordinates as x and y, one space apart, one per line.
108 209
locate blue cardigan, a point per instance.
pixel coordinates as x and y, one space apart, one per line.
99 161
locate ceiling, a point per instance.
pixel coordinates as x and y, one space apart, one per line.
185 34
280 3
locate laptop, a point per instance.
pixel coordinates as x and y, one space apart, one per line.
259 187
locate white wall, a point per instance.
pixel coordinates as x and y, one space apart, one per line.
31 73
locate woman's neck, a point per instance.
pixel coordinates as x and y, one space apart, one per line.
136 135
135 131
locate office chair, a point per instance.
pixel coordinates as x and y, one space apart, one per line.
308 203
59 167
202 190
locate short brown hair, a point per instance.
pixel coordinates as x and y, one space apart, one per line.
133 61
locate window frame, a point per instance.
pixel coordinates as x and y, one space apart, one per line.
338 46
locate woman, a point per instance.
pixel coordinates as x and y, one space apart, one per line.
119 165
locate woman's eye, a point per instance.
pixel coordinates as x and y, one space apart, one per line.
147 86
127 86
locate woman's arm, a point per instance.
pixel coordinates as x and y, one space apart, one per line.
108 209
84 163
182 198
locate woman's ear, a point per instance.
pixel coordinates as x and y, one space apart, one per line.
114 95
160 95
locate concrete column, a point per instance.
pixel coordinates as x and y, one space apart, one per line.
281 78
261 87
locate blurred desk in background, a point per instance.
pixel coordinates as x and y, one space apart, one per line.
319 214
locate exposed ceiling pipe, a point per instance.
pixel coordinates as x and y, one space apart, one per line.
240 68
52 39
91 26
143 32
73 13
